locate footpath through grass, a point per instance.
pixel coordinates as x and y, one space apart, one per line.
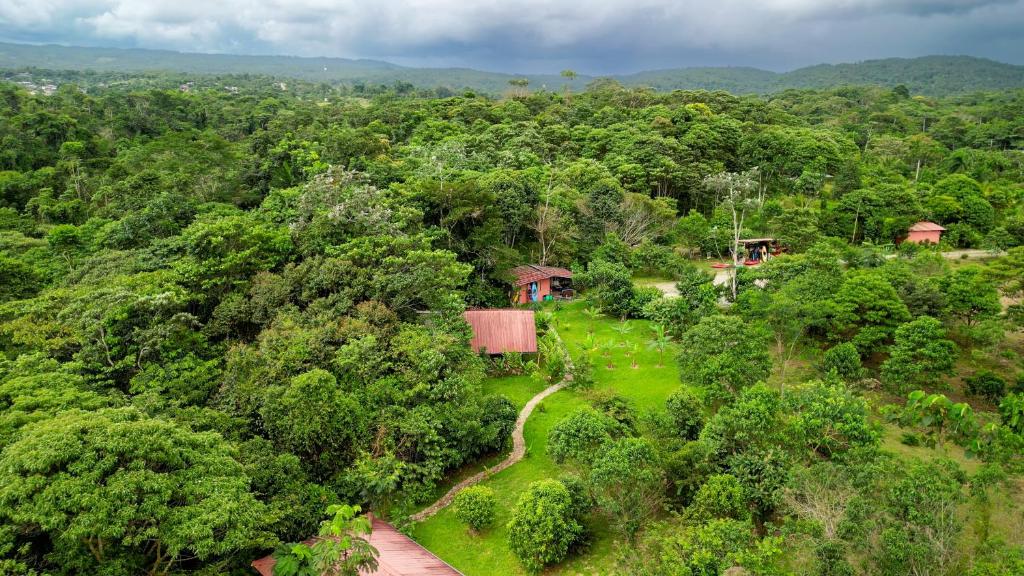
646 387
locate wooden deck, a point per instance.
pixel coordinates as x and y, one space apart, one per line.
399 555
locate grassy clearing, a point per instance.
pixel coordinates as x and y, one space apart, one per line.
518 389
646 387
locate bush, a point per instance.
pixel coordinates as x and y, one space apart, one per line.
654 259
611 287
986 384
582 372
543 526
498 420
510 364
643 296
628 483
579 494
578 436
474 507
720 497
844 360
686 412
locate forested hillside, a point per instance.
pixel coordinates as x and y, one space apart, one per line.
929 75
222 312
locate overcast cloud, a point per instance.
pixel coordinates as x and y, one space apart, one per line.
589 36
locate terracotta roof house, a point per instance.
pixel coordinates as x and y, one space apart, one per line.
923 232
398 555
534 283
500 331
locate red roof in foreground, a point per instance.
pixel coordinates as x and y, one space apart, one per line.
399 555
500 331
534 272
925 226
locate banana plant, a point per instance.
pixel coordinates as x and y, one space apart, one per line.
659 341
592 313
623 329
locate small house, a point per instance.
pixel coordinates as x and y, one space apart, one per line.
924 232
534 283
500 331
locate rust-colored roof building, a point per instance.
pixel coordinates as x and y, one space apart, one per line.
924 232
398 555
500 331
534 282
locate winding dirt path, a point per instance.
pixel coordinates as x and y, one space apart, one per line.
518 451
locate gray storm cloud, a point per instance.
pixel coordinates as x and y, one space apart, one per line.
537 35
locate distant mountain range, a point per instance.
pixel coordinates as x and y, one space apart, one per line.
930 75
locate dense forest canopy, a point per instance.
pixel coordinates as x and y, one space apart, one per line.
222 311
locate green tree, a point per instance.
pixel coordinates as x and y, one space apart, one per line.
136 494
722 496
970 297
474 507
686 412
544 525
312 418
722 355
844 361
628 483
866 311
578 437
920 354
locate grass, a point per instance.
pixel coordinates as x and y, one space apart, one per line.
646 387
518 389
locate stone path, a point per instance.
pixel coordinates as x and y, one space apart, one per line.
518 451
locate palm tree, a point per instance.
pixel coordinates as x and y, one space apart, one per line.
569 75
632 353
592 313
659 341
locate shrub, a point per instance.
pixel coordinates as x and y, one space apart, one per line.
643 296
910 439
579 494
611 286
474 507
844 360
582 372
498 420
686 412
578 436
543 525
720 497
617 408
628 483
986 384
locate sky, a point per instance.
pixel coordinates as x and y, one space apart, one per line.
537 36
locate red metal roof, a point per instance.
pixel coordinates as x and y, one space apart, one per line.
925 226
534 272
399 555
500 331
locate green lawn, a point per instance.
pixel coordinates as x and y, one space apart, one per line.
646 386
518 389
